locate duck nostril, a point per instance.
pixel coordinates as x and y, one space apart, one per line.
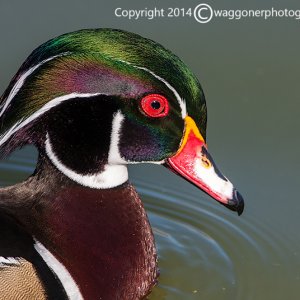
205 162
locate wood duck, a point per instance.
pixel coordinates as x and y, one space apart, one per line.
93 101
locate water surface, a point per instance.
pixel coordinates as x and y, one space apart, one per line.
205 251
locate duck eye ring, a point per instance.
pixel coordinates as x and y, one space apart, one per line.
155 106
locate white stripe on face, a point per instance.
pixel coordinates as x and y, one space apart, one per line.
54 102
114 156
21 81
66 279
112 176
115 171
181 101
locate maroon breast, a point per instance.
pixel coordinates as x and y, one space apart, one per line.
104 239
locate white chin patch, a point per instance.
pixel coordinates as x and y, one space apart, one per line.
115 171
213 181
112 176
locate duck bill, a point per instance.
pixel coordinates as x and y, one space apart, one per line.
194 163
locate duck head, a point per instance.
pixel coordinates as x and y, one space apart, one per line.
94 101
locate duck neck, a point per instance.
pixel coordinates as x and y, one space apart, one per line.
101 237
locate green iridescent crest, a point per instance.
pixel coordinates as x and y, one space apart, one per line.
88 62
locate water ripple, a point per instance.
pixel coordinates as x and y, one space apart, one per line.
205 251
208 253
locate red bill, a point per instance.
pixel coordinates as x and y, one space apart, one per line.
194 163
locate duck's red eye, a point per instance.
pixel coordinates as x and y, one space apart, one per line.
155 105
